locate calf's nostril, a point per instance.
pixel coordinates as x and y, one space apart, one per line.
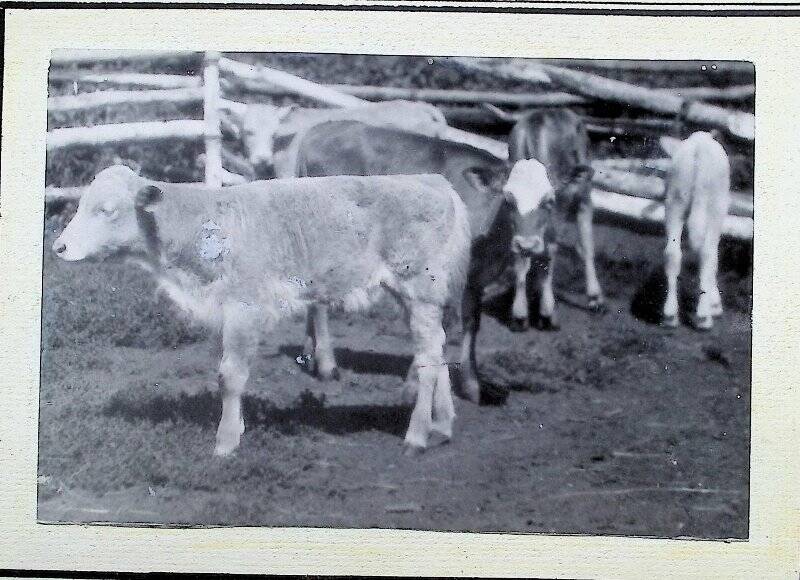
59 247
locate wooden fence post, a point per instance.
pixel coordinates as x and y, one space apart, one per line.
211 116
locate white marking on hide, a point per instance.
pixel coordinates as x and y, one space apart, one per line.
529 185
212 245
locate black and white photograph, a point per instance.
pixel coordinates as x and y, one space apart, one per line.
421 292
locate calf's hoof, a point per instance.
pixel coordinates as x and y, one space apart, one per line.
329 373
669 321
411 450
471 390
518 325
228 440
225 447
703 322
597 305
547 323
443 428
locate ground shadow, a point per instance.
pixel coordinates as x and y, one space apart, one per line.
647 304
358 361
308 410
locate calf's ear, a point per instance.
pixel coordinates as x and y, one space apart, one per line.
477 178
669 144
147 197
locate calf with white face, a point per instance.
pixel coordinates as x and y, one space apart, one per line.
520 227
108 220
238 259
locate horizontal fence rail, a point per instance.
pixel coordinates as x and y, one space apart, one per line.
628 187
737 123
91 56
124 133
86 101
146 80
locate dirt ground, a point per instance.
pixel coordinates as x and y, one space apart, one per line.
611 425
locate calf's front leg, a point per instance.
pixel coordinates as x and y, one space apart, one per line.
520 309
239 343
317 350
547 304
594 292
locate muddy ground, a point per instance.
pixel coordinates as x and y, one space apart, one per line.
612 425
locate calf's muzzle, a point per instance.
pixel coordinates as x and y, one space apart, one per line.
528 245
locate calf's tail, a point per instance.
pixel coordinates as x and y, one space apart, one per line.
710 190
696 223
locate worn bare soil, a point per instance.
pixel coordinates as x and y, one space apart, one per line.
612 425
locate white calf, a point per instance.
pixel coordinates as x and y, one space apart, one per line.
240 258
698 195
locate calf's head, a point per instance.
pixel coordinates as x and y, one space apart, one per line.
113 217
529 190
259 125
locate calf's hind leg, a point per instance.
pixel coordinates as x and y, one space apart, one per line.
239 342
470 321
434 396
317 349
709 304
594 292
672 262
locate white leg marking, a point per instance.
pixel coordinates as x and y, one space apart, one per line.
519 309
547 303
672 263
239 342
323 352
709 303
586 247
429 338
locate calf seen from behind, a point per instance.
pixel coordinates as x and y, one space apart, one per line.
698 197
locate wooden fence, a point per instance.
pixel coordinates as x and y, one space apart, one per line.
628 187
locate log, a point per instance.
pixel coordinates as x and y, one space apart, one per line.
737 123
88 56
481 119
62 194
290 82
736 227
654 66
652 188
145 80
657 166
328 96
627 126
444 96
124 133
86 101
732 94
521 100
211 117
